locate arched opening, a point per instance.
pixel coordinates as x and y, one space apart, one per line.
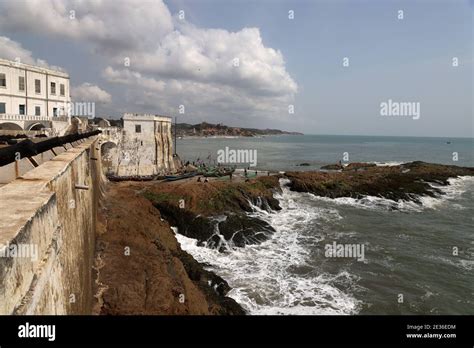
10 126
109 156
107 146
103 123
37 127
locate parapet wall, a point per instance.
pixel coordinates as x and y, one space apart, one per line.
52 210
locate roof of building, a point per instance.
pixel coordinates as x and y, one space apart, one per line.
34 68
145 117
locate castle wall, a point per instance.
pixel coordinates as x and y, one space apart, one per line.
51 209
144 147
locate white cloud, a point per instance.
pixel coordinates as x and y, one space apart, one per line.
12 50
88 92
172 62
109 25
211 55
201 100
128 77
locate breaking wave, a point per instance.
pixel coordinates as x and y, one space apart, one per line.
282 276
276 276
387 164
456 187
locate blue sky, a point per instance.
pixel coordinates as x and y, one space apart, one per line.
283 62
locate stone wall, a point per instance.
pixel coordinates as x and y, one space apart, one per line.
51 209
143 147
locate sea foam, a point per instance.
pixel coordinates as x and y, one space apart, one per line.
262 276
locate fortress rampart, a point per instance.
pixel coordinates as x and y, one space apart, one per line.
47 231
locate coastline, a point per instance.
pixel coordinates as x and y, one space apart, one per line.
226 207
287 153
140 267
234 136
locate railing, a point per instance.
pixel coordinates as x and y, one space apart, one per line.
60 118
14 117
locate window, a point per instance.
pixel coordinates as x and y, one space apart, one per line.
62 90
38 110
21 83
22 109
37 86
3 80
53 87
138 128
55 112
2 108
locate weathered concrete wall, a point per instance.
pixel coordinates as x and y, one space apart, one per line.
46 211
143 147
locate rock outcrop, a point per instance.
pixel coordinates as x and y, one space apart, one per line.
214 213
222 232
408 181
141 268
335 166
359 166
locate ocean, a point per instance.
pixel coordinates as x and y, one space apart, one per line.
286 152
418 259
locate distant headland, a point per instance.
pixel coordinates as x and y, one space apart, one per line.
205 129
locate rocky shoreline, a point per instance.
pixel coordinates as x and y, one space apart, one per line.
158 277
214 213
407 181
140 267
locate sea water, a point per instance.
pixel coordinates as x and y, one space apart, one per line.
410 265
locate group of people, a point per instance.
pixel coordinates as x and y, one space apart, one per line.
248 169
246 174
205 179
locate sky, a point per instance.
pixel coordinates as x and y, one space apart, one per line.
261 63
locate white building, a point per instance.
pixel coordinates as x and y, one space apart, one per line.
143 147
32 97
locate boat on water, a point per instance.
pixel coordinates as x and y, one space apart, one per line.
218 172
180 177
116 178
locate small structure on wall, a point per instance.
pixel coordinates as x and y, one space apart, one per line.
143 147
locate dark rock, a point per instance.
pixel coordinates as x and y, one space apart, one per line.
359 165
235 230
303 164
335 166
266 203
408 181
241 230
188 224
